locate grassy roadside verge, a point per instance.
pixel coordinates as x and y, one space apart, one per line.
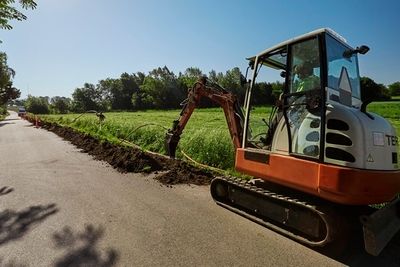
205 139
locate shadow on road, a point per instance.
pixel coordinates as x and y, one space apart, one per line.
12 119
354 254
2 123
82 248
15 224
5 190
12 263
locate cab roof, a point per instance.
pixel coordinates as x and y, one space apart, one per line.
302 37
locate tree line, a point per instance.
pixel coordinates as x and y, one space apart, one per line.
162 89
159 89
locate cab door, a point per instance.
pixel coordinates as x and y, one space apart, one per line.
302 99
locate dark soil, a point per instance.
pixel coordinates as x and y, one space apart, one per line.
129 159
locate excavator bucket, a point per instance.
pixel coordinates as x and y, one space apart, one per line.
380 227
171 142
172 138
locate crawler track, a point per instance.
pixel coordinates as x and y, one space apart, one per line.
310 222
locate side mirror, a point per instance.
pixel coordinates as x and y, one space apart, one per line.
361 50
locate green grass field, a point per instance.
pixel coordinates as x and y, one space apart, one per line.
206 137
390 110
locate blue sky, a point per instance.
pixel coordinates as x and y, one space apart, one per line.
65 43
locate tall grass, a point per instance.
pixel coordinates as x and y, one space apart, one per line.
205 139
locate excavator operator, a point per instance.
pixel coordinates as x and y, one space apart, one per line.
306 78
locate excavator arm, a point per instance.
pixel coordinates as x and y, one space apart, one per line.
225 99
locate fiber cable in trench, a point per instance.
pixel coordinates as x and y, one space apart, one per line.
155 153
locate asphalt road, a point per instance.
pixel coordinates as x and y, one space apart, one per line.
59 207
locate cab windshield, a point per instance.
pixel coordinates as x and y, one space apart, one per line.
337 62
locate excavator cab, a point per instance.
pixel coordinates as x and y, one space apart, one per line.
314 66
321 124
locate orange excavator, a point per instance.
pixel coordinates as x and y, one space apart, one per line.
322 161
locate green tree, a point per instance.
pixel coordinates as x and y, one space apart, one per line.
212 76
262 94
277 90
60 104
110 91
119 91
87 98
190 76
371 91
136 98
231 81
9 12
7 91
17 102
37 105
162 89
394 89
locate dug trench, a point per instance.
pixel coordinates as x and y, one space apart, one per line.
130 159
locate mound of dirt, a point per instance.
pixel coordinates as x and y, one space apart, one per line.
129 159
183 173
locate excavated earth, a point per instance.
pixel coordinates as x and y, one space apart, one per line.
128 159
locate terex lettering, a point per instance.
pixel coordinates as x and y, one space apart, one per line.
392 140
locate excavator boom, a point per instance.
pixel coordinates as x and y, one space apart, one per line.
225 99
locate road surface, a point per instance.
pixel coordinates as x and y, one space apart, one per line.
59 207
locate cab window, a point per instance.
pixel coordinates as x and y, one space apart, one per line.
305 67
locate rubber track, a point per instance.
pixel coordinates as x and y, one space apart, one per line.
323 211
